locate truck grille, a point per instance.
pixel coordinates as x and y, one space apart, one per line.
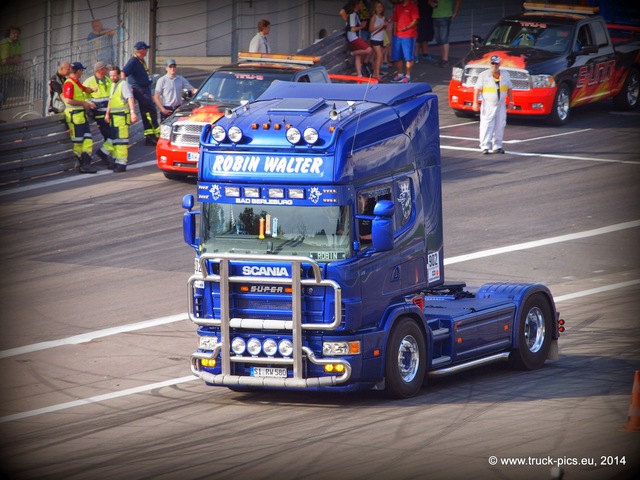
519 78
186 134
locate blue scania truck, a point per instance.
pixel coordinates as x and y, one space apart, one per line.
319 250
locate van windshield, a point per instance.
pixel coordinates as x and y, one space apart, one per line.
322 233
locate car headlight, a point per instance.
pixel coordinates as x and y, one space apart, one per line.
543 81
456 73
165 131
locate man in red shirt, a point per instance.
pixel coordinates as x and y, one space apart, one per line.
405 33
75 100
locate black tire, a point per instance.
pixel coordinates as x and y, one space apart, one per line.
561 110
534 334
627 99
406 360
174 176
464 114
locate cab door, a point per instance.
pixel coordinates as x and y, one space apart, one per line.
594 65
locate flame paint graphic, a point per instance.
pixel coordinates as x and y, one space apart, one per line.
207 114
507 60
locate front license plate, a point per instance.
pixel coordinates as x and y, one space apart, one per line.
269 372
193 156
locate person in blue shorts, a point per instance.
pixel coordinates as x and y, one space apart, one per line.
405 33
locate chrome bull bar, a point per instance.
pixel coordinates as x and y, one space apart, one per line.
225 323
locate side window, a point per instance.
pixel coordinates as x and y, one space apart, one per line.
602 39
304 78
367 199
404 200
584 37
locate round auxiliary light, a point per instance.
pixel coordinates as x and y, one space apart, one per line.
235 134
269 347
285 347
310 135
254 346
218 133
293 135
238 346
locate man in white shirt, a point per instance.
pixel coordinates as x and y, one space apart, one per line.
495 86
259 43
168 93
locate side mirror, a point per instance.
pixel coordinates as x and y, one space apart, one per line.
186 94
189 222
587 50
382 227
476 41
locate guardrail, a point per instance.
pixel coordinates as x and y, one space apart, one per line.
42 146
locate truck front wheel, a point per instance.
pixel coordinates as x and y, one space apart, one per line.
627 99
534 334
406 361
561 106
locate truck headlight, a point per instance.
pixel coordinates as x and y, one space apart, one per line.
165 131
293 135
218 133
206 342
270 347
340 348
456 73
254 347
543 81
285 347
238 345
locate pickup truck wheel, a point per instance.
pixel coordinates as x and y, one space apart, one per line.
627 99
561 106
406 361
534 334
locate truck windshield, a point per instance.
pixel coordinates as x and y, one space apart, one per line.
228 88
552 38
322 233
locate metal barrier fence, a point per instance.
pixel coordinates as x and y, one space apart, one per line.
26 86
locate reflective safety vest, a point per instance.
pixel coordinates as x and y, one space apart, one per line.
118 104
78 94
101 96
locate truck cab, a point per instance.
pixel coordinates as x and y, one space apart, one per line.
319 259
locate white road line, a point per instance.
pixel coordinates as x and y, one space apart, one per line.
543 155
190 378
78 178
87 337
544 241
593 291
179 317
96 399
475 139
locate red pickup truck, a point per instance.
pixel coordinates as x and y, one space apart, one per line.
558 57
177 151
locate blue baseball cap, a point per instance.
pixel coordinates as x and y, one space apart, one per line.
77 66
141 45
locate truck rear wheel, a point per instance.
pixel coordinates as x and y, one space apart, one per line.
534 334
627 99
406 361
561 106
